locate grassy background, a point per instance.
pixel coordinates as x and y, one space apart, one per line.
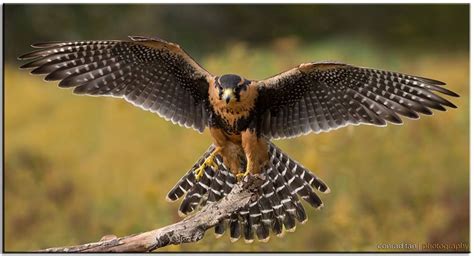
77 168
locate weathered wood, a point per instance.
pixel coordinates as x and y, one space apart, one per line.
189 230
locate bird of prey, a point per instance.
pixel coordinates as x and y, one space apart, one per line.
243 116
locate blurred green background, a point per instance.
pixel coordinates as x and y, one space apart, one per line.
78 168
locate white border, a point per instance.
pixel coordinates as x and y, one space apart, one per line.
471 55
245 2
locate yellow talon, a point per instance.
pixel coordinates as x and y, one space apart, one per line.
240 176
209 162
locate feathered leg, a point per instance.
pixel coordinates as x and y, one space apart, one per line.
256 152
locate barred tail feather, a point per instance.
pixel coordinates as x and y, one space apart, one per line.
263 232
247 227
196 193
188 180
235 227
278 227
278 207
220 228
294 176
218 188
289 223
297 169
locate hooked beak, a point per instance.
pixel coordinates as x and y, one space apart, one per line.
227 95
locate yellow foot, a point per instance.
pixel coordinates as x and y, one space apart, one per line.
209 162
240 176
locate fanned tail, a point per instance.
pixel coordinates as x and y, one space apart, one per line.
277 209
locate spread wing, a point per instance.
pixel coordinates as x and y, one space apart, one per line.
317 97
153 74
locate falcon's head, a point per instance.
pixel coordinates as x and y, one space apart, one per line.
231 88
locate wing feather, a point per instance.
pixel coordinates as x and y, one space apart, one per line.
316 97
151 73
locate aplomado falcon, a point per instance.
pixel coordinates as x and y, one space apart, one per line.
243 116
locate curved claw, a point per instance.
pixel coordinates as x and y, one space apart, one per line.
209 162
240 176
199 172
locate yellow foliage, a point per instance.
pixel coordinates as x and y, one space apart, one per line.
77 168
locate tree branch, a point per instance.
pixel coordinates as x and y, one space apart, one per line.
189 230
